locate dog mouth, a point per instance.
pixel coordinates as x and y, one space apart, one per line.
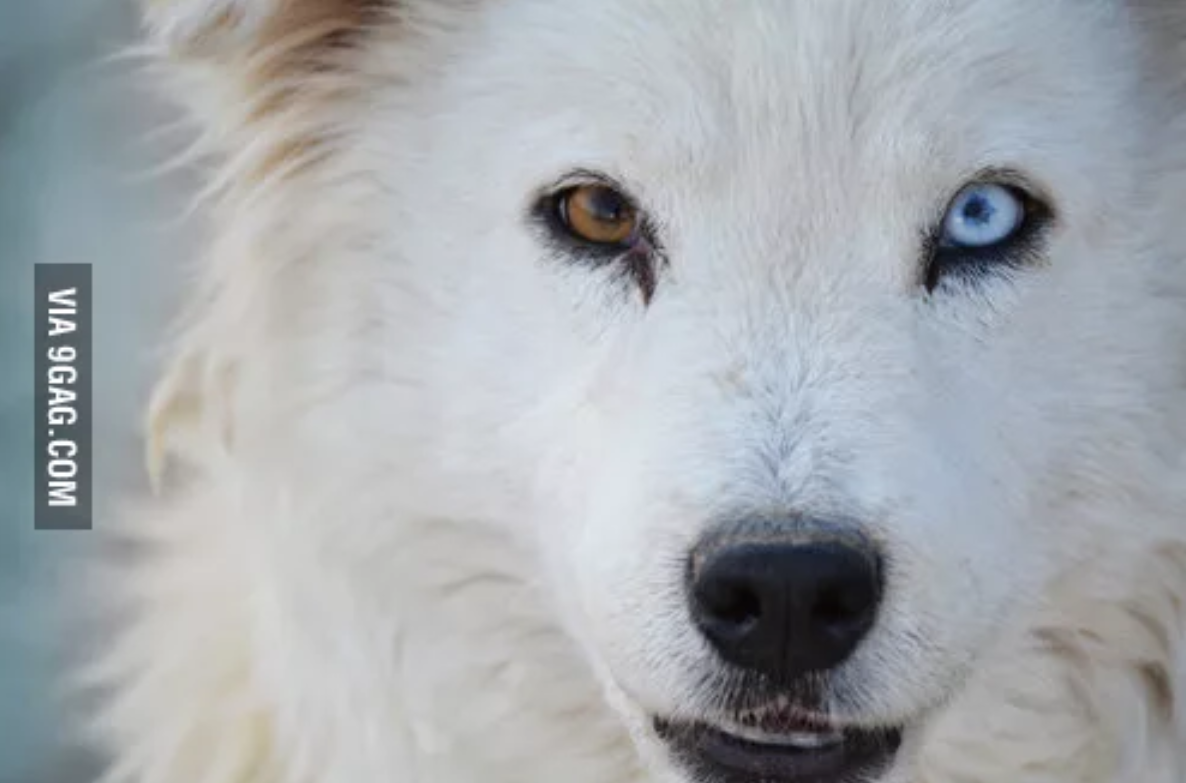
780 746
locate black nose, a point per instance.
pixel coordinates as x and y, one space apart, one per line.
785 606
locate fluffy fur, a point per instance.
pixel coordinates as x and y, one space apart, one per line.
427 484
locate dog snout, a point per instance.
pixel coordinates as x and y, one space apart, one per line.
785 604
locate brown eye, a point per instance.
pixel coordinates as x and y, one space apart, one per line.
598 215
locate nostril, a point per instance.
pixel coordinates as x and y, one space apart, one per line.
730 602
841 607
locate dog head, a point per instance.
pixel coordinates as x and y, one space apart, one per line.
804 343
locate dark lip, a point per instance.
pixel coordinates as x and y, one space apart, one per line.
715 755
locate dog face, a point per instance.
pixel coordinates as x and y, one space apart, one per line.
793 338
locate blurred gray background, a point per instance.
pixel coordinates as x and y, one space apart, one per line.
76 147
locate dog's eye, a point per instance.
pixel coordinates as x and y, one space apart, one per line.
597 215
595 223
983 215
988 225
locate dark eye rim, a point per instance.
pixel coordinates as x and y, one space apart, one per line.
1021 250
638 261
548 212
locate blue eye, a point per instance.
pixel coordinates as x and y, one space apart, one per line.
983 215
988 228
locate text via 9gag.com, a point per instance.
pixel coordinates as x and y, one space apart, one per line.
63 459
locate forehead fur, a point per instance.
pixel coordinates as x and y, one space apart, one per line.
846 60
818 66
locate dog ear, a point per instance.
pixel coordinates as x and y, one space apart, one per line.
229 29
268 83
221 56
192 26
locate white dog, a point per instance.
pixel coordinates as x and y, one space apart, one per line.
741 391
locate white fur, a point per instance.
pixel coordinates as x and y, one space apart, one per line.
432 486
